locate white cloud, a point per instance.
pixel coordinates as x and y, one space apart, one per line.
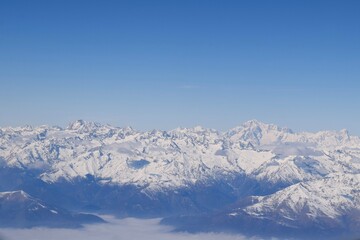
116 229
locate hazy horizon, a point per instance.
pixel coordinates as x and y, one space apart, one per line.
194 126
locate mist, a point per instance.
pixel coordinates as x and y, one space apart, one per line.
115 229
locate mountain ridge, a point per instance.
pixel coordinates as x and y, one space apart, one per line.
19 209
184 169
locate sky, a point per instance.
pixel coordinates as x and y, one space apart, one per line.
164 64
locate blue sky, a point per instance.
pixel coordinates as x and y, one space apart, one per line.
163 64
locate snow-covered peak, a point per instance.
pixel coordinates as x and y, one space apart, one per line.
255 124
83 126
194 130
257 133
197 133
328 199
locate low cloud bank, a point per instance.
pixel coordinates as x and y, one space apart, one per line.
116 229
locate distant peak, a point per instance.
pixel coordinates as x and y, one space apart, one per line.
253 122
79 121
196 129
76 124
28 127
80 124
344 132
129 129
251 125
199 128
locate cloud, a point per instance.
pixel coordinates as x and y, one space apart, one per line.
116 229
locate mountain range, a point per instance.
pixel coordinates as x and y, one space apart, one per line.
256 178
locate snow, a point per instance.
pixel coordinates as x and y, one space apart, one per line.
320 169
53 211
261 150
330 197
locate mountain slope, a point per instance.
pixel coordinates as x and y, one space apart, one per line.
327 208
19 209
320 202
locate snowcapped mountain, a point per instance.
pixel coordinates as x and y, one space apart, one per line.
177 158
291 177
326 208
19 209
329 204
328 200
